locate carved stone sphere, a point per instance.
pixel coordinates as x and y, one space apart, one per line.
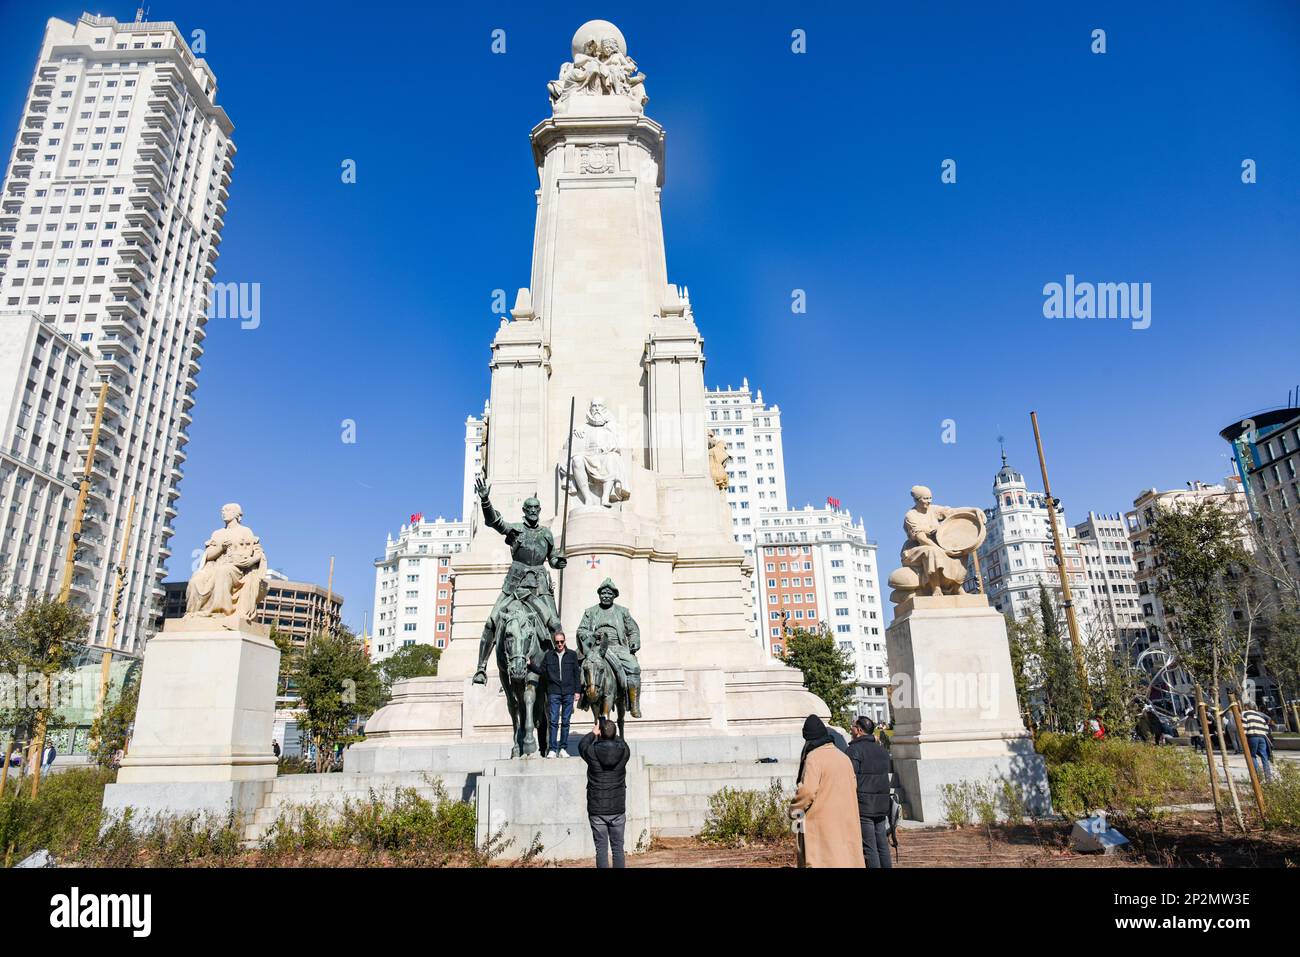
597 30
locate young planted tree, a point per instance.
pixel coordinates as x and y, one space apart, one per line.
1063 698
337 686
827 670
1199 555
39 638
1279 653
111 731
1025 641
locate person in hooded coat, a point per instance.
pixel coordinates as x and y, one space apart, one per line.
828 798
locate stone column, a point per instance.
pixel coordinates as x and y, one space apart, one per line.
203 729
954 703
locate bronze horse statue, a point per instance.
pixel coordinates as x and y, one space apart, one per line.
600 690
519 654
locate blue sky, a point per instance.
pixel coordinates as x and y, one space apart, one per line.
818 172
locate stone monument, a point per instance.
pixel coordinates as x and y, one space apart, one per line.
600 325
953 696
203 727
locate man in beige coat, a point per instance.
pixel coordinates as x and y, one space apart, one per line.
828 799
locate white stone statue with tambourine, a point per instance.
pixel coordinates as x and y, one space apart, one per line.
939 541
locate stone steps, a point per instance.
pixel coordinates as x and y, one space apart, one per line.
329 793
679 794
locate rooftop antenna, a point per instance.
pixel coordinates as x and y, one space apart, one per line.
140 14
1002 444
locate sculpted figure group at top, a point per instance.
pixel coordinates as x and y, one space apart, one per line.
600 67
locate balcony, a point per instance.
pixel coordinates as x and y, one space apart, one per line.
138 235
184 418
148 176
150 153
112 366
129 308
161 119
142 216
131 265
120 324
162 96
126 288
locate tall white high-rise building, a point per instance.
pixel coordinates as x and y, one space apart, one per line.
413 586
756 472
817 565
110 222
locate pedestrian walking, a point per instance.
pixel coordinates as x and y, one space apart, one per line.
606 755
1259 739
827 800
872 767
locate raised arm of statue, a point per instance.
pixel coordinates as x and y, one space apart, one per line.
491 517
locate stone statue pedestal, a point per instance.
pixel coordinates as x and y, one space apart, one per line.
547 799
954 705
203 730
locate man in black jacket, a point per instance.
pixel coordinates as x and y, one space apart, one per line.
560 669
606 758
872 766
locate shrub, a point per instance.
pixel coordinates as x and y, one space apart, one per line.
737 818
405 821
1126 778
958 802
63 819
1282 796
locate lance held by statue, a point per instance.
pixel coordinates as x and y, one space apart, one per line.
608 640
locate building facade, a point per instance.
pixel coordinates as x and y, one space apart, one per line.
756 471
1266 453
110 221
1174 683
298 610
816 565
1112 586
413 586
43 386
1018 554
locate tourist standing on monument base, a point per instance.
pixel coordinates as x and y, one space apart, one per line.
828 799
606 757
560 669
872 767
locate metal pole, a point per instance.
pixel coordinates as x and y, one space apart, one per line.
69 566
4 774
83 493
106 663
1066 599
564 522
1250 758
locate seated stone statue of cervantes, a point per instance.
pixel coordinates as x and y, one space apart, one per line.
231 581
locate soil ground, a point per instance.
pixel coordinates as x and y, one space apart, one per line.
1182 840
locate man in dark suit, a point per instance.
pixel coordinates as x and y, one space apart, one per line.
560 669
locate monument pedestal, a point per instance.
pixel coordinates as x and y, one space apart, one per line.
203 729
956 719
546 800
